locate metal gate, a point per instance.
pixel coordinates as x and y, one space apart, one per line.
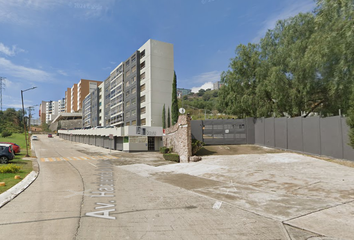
224 131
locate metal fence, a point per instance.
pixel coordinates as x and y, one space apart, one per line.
315 135
224 131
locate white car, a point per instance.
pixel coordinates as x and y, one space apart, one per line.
34 137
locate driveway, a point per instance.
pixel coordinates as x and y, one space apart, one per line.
310 197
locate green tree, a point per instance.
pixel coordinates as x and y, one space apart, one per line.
174 106
164 117
168 118
304 64
201 92
239 94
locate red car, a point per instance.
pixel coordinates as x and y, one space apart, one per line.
16 147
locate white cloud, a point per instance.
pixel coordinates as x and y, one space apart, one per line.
9 69
204 80
62 72
10 51
205 86
295 8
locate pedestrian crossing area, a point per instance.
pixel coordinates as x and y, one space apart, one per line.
79 158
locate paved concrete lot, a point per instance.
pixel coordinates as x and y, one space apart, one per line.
87 192
309 196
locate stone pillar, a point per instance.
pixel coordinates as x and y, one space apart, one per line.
179 138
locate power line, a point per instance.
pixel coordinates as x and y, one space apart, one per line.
2 86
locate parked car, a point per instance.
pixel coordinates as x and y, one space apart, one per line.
16 148
6 153
34 137
50 135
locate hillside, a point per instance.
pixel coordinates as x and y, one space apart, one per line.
203 105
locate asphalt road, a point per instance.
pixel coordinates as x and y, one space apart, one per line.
86 192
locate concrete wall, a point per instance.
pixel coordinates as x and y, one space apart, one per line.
314 135
179 137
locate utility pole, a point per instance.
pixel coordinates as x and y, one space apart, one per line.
2 86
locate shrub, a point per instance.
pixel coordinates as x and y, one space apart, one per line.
6 133
171 157
10 168
165 150
196 146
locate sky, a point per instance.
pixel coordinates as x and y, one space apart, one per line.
52 44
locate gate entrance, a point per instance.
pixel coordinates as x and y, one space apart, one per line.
151 143
224 131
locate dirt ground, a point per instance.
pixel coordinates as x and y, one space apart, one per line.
235 150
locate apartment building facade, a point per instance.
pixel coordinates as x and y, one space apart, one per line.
51 111
136 90
42 112
68 100
73 98
61 106
133 96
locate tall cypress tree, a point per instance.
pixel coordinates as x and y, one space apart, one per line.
168 118
163 117
174 106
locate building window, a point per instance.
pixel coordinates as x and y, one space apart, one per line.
134 69
142 88
142 65
134 123
133 90
127 84
143 121
127 104
133 112
128 73
127 63
142 54
143 110
127 124
142 99
142 76
133 58
133 101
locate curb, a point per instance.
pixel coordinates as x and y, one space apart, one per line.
17 189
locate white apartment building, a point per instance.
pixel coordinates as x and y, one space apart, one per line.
133 96
61 105
51 111
156 77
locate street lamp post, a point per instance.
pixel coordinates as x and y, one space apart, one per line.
24 121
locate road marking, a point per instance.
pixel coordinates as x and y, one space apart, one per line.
92 164
82 158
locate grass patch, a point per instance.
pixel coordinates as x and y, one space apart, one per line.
18 138
9 178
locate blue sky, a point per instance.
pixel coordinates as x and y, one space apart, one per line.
52 44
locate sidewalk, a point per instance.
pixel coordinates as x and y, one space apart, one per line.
10 194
